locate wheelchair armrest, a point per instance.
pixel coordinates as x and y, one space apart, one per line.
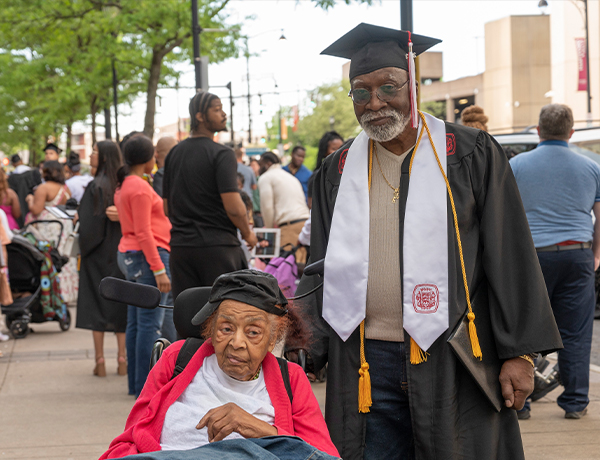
157 350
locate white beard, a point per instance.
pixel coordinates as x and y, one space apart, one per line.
388 131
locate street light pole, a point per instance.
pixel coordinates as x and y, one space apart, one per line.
587 57
196 30
406 15
249 102
115 101
228 86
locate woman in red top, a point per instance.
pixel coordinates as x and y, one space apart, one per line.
143 253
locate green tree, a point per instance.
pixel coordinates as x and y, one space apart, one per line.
435 108
66 48
330 109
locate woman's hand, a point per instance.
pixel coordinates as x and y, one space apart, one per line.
29 200
75 219
222 421
112 213
163 283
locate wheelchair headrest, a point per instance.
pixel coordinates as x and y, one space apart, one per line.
187 304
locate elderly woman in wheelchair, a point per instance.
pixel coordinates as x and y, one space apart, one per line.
233 399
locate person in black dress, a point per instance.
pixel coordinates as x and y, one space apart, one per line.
99 238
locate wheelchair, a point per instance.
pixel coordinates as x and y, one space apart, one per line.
187 304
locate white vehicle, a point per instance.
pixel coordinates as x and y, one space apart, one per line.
585 141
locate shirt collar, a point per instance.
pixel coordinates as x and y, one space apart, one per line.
554 142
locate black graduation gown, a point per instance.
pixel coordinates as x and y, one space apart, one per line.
450 416
23 184
98 241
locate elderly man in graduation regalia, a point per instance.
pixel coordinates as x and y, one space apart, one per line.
433 303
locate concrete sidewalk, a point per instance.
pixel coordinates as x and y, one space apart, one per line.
52 407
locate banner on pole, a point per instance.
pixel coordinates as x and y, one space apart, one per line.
582 63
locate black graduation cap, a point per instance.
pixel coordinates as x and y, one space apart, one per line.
51 146
372 48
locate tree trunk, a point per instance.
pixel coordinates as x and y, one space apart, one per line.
155 68
94 110
107 123
69 137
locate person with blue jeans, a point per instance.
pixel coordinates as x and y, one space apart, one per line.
143 253
560 189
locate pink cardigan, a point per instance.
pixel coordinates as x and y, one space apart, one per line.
144 425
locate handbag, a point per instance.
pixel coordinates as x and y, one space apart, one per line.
71 247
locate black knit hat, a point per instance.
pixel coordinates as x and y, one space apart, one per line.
252 287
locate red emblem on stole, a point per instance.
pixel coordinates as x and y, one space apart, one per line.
342 161
450 144
426 298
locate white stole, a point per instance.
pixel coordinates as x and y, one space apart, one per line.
425 251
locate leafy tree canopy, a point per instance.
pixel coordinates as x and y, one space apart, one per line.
331 110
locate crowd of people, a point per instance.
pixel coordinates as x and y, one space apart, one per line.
444 263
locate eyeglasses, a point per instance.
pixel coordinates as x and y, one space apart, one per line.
385 93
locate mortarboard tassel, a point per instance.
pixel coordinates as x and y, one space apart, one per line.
412 84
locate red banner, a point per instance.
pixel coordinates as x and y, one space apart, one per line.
582 64
296 118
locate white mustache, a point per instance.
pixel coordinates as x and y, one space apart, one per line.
370 116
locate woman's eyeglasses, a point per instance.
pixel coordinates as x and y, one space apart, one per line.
385 93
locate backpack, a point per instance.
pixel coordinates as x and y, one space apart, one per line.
190 347
284 269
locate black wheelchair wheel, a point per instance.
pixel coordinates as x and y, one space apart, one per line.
19 329
66 323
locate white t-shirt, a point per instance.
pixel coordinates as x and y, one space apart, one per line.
211 388
77 185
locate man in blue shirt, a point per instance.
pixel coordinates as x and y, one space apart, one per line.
296 168
560 189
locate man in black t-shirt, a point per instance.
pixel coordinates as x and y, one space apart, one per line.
202 201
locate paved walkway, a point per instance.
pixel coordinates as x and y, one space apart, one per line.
52 407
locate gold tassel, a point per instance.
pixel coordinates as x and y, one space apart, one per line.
364 381
417 355
473 336
364 389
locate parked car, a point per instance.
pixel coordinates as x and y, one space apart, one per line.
585 141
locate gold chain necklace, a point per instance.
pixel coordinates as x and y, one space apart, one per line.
395 189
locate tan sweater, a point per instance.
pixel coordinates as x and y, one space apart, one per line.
384 289
281 197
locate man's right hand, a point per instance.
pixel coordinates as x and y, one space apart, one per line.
250 240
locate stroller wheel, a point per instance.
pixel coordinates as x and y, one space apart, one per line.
66 323
19 329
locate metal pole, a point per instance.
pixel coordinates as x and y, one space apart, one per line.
587 57
406 15
228 86
115 101
249 103
196 30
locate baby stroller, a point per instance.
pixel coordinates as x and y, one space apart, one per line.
27 256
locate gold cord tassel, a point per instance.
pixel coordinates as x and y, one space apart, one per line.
364 381
417 355
473 336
